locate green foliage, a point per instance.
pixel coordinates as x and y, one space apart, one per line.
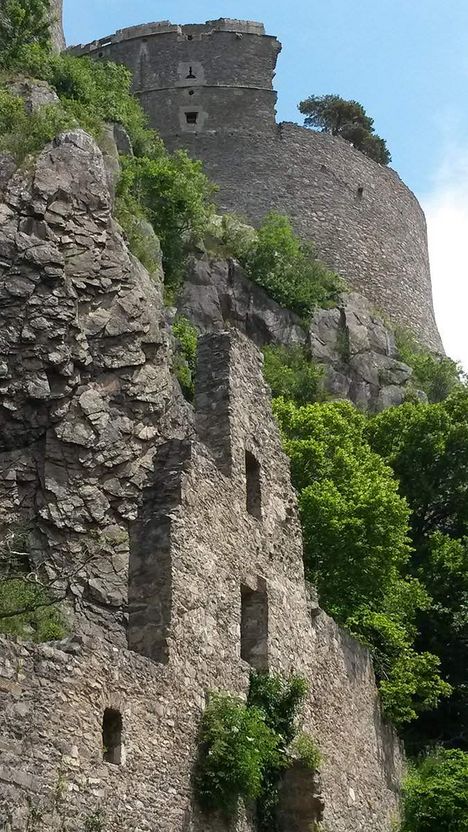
435 794
291 373
279 700
436 375
39 619
236 748
95 821
244 748
185 359
287 269
335 115
354 521
427 448
174 194
356 547
22 22
22 133
305 749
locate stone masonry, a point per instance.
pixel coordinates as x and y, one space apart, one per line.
171 531
216 587
208 88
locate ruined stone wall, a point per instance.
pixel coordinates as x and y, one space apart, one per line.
58 38
220 550
365 222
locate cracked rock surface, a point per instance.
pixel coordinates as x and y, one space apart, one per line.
86 391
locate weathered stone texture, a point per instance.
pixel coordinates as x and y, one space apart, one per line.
86 388
195 508
356 349
208 88
58 38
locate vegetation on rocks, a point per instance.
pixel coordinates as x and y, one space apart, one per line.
185 358
436 375
435 794
291 373
288 269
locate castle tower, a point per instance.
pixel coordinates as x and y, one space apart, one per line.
208 88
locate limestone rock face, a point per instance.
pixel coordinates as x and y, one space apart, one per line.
355 347
85 383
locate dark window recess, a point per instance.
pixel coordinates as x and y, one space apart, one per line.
191 92
253 488
189 37
191 118
190 74
360 192
112 736
254 627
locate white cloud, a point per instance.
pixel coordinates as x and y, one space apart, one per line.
446 207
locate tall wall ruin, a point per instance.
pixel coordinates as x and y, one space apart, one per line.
208 88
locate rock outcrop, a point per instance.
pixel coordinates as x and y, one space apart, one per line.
85 375
352 343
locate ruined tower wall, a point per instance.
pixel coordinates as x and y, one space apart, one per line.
365 222
221 549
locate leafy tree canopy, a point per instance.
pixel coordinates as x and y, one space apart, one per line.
435 795
348 119
23 22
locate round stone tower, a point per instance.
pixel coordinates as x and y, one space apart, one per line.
208 88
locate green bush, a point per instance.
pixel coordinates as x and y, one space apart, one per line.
39 620
305 749
236 748
291 373
436 375
22 133
185 359
286 268
435 794
174 194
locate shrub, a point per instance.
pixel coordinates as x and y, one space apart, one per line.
174 194
22 133
291 373
306 751
39 618
185 358
286 268
435 794
236 747
436 375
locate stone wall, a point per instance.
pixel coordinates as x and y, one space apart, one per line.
208 89
219 551
58 38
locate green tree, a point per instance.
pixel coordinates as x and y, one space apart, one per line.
435 794
427 447
348 119
436 375
22 22
356 548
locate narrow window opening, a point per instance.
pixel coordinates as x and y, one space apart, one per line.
100 54
112 736
191 118
253 487
254 627
190 74
360 192
189 37
191 92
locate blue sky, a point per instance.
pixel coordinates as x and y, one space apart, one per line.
406 61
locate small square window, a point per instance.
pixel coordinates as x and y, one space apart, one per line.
191 118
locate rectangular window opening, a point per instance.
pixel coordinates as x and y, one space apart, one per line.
191 118
253 486
254 627
112 737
